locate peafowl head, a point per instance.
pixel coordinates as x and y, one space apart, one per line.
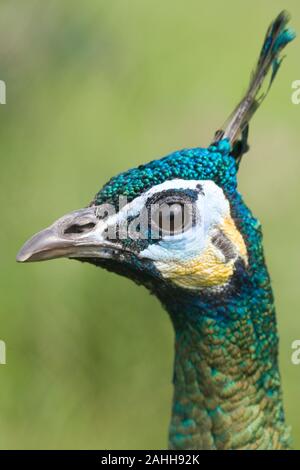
168 222
178 221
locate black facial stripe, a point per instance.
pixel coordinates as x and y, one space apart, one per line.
200 190
222 242
182 194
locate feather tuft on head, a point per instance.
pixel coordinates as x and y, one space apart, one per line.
235 128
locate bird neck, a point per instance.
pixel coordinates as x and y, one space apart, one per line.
227 388
227 391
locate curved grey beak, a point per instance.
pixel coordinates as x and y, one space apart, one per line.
79 234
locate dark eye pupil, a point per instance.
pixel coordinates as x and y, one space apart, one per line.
171 218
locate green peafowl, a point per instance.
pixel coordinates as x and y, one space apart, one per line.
179 226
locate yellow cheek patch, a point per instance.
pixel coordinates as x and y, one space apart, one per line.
207 270
210 268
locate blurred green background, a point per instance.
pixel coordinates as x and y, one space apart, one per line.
94 88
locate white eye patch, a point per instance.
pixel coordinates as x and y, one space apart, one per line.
211 204
213 208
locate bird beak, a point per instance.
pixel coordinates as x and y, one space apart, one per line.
79 234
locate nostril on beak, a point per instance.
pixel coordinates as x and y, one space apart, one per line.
79 228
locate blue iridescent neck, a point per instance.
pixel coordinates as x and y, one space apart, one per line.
227 392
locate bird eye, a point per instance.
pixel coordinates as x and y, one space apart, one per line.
171 217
